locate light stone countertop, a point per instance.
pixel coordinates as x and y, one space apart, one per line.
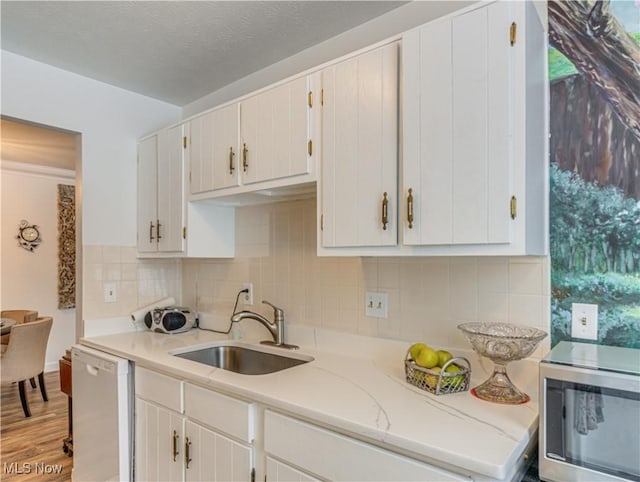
356 386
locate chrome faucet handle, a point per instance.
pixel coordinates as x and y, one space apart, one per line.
278 313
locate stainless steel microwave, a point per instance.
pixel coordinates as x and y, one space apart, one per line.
590 413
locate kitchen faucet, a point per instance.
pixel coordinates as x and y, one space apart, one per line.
275 327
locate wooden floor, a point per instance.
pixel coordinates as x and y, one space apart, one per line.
31 448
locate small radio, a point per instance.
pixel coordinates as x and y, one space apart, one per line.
172 319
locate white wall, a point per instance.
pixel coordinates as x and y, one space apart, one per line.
30 279
110 120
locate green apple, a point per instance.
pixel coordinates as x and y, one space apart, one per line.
427 358
452 368
443 357
415 349
432 380
455 381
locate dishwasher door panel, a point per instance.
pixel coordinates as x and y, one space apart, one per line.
101 416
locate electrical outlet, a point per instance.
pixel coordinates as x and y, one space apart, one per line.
247 298
376 304
110 294
584 321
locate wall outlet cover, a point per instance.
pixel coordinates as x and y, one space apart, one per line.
247 298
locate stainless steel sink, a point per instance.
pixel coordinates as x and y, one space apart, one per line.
243 359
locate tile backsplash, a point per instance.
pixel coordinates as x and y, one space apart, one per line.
138 282
428 296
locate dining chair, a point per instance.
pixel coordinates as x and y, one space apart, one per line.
21 316
25 356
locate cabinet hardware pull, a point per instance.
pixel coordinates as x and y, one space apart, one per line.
513 207
158 230
410 208
245 162
310 147
184 232
231 154
151 238
310 99
385 207
512 33
175 445
187 452
184 142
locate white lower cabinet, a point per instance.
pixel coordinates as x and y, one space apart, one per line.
280 472
211 457
159 442
184 432
187 433
331 456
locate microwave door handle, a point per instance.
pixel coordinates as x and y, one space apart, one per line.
555 420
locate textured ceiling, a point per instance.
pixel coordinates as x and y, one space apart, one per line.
176 51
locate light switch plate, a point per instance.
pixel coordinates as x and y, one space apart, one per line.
376 304
110 294
584 321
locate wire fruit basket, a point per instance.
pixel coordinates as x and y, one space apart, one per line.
439 382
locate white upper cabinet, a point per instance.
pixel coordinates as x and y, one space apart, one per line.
261 142
147 194
160 192
171 227
274 135
168 225
474 163
358 181
433 143
213 150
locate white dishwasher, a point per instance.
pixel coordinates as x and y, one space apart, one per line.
102 416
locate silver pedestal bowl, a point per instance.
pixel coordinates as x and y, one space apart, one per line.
501 343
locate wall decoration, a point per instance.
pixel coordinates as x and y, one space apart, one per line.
28 236
66 247
594 73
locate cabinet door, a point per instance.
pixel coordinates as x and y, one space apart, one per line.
211 457
225 154
159 443
274 133
281 472
147 194
170 189
332 456
360 150
200 149
213 150
457 150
